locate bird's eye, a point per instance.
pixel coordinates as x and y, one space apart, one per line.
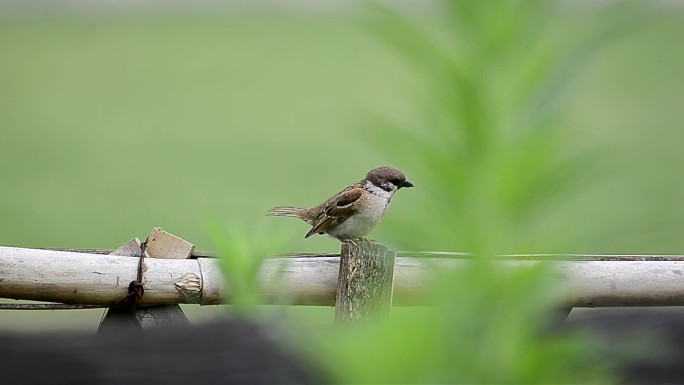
388 186
396 182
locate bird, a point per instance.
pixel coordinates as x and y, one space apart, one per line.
354 212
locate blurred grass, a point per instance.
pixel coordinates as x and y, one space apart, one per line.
112 124
489 146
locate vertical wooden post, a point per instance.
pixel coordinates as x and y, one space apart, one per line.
160 244
365 281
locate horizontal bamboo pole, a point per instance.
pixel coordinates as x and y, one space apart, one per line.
442 254
80 278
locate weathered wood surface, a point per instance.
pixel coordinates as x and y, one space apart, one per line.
441 254
101 280
119 317
59 276
159 244
365 282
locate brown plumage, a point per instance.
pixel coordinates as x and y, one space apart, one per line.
353 212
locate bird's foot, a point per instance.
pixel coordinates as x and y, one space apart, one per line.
351 241
357 241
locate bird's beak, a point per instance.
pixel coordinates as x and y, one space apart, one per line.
407 184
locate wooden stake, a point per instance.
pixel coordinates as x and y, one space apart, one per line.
365 281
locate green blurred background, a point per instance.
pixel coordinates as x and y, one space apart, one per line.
113 123
116 121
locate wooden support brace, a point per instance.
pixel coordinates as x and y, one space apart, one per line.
160 244
561 314
121 318
365 281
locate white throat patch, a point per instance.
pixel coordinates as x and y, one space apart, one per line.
377 191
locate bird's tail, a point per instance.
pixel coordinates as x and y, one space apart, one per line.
286 211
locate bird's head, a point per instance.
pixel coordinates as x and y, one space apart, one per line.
388 178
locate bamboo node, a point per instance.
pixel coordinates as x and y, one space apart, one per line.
190 285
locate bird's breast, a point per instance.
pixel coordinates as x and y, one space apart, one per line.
374 206
369 211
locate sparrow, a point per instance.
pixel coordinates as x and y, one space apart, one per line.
353 212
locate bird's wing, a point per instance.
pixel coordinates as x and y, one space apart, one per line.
336 210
